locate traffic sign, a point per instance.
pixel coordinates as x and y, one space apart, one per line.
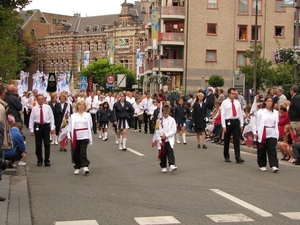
83 86
83 79
110 79
109 85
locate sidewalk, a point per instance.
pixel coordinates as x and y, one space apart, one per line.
16 209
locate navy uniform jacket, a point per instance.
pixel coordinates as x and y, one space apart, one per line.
123 112
105 115
181 113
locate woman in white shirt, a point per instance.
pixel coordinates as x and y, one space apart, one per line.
267 134
81 135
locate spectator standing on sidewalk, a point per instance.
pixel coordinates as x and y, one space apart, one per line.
14 102
209 101
294 108
281 97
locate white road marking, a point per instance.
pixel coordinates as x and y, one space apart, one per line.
135 152
291 215
243 203
159 220
78 222
229 218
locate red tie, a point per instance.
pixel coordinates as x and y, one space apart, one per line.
233 108
41 116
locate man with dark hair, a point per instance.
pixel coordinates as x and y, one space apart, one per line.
5 139
294 109
232 122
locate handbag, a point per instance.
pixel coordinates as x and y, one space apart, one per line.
140 117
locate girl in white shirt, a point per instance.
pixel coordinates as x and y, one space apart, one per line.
80 134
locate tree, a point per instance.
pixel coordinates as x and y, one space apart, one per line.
216 81
101 69
15 48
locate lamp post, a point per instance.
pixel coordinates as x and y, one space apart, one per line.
159 40
255 50
297 6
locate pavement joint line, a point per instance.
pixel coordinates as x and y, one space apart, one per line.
243 203
135 152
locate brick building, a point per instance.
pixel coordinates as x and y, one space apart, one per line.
60 41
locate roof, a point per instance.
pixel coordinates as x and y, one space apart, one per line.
26 15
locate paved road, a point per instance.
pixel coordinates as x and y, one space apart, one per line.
124 188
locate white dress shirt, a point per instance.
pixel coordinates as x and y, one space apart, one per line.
269 120
168 128
226 111
110 101
146 104
92 102
47 116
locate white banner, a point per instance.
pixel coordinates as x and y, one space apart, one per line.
86 58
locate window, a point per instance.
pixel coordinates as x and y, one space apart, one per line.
79 47
54 21
32 32
43 48
52 47
242 32
56 47
56 65
212 4
279 5
211 55
212 28
279 31
62 65
243 6
95 46
67 47
124 62
39 49
240 59
87 47
253 33
62 47
42 20
51 64
42 65
104 46
67 65
258 7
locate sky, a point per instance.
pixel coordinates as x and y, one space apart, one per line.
85 7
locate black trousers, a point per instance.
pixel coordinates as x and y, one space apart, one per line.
146 121
42 135
80 155
136 122
26 117
94 123
232 128
169 153
268 148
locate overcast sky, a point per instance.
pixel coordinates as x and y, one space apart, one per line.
85 7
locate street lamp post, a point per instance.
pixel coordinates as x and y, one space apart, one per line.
255 49
159 40
297 6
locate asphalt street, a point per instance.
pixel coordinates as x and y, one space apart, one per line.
126 188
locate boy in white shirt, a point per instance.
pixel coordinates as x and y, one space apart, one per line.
166 132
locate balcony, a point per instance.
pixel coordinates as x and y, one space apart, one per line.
175 65
177 12
172 38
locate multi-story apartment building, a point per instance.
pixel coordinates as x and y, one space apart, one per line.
62 40
202 38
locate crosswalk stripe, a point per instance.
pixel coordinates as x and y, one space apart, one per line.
159 220
78 222
243 203
291 215
229 218
135 152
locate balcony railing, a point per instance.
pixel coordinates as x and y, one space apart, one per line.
169 63
173 10
175 37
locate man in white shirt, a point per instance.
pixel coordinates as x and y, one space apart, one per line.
146 104
110 100
232 123
41 124
130 99
281 97
92 107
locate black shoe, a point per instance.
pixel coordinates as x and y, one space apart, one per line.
145 132
297 162
204 146
239 160
60 149
139 130
199 146
48 164
227 160
65 149
2 199
39 164
124 149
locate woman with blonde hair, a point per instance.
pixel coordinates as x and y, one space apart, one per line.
80 134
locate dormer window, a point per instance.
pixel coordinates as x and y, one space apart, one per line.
87 28
42 20
95 28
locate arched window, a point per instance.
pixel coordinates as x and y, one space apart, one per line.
67 47
62 65
124 62
51 64
87 48
39 49
56 65
95 46
62 47
32 33
52 47
42 66
56 47
67 65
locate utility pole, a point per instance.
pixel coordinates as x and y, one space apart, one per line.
297 6
255 50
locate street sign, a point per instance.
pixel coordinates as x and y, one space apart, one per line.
109 85
110 79
83 79
83 86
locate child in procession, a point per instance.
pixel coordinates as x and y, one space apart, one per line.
103 117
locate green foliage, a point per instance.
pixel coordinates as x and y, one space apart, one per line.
15 48
101 68
216 81
268 74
